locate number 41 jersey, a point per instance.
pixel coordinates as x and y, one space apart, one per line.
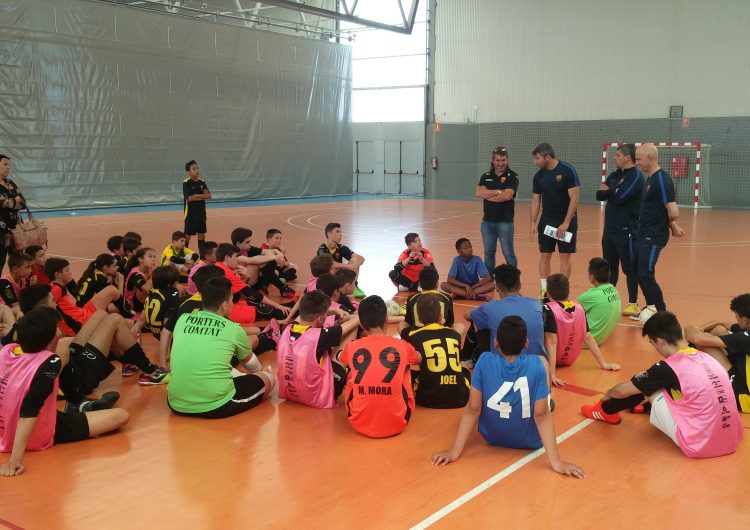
509 392
379 399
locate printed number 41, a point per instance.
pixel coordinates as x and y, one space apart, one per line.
503 407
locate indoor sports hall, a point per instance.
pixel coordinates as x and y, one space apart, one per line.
382 116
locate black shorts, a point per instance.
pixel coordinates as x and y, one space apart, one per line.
71 428
194 225
88 366
249 390
547 244
339 378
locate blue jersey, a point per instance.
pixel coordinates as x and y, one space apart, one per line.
623 201
654 219
553 186
509 391
469 272
489 315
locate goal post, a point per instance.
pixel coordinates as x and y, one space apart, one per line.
684 161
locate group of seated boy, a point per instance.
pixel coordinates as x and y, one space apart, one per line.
204 309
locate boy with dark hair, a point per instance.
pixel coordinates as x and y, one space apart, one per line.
133 235
339 253
441 382
428 281
201 383
347 284
405 274
308 373
19 272
602 302
487 317
249 304
691 396
29 379
101 273
260 265
510 399
162 299
39 254
729 343
468 277
114 245
177 254
129 246
195 193
58 270
321 264
379 396
207 257
566 330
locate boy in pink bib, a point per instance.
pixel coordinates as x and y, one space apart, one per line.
29 380
690 394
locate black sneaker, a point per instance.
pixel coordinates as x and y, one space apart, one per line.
103 402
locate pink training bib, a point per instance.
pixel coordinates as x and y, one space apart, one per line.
571 330
301 377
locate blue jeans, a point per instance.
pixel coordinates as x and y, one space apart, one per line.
491 232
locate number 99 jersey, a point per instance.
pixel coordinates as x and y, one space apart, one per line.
509 392
379 398
441 383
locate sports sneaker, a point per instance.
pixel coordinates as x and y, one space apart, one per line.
543 294
358 293
130 369
631 309
288 292
649 309
401 289
273 331
160 376
595 412
105 401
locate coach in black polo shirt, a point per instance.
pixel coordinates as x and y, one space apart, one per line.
658 217
622 192
557 188
498 188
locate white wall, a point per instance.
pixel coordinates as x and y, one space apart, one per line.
551 60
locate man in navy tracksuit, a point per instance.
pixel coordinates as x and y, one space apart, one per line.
622 192
658 217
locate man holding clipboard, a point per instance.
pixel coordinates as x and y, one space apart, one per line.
557 190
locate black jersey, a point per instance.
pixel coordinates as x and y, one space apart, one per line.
158 305
90 286
441 383
446 308
187 305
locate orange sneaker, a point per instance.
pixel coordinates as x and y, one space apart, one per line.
595 412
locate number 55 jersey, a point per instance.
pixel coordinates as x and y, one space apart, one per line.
441 383
509 392
378 396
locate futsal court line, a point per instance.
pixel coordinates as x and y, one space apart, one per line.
487 484
8 524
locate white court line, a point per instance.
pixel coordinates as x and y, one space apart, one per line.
466 497
387 230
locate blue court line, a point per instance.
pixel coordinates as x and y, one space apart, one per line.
211 205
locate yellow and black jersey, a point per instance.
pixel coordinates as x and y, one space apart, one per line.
194 209
442 383
90 286
158 305
187 305
446 309
339 253
12 336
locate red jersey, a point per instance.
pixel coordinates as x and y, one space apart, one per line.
41 278
73 316
413 268
233 277
379 397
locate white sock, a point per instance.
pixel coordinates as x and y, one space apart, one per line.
544 283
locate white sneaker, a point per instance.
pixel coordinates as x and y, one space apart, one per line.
419 289
403 289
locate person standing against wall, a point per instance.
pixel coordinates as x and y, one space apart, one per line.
11 201
195 194
557 190
622 192
658 217
498 187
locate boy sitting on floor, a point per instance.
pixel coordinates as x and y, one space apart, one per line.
405 274
510 398
441 382
19 265
201 383
468 277
179 255
379 397
428 281
39 254
566 329
691 396
339 253
288 270
307 372
602 302
29 379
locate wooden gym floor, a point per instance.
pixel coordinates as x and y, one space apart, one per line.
283 465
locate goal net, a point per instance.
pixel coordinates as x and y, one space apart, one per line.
687 162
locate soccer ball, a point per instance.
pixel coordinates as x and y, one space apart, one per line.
646 313
393 308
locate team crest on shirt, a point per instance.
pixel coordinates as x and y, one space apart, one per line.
502 179
558 178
